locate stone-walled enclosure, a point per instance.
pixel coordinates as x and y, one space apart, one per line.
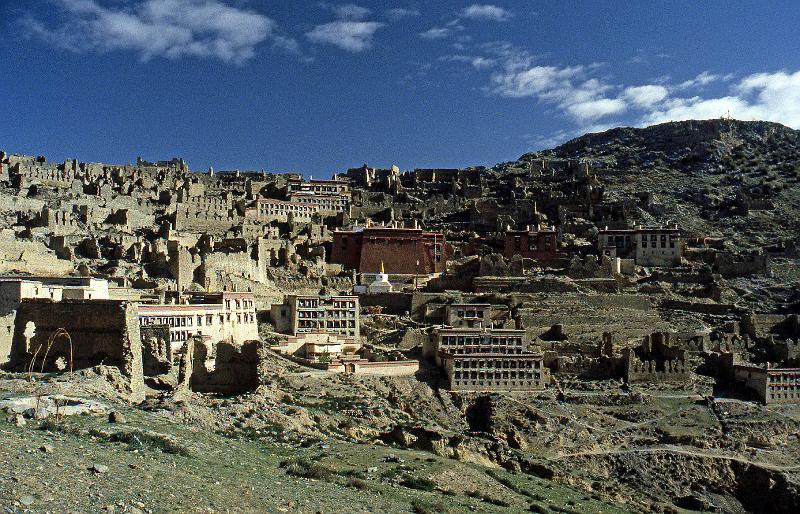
100 332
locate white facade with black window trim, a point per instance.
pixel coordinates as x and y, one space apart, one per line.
227 316
305 314
652 246
487 359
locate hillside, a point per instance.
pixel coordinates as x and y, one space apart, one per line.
702 174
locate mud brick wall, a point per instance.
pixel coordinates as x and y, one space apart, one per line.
102 332
237 369
156 350
654 372
586 317
762 325
729 264
391 303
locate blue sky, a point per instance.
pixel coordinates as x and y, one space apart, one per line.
318 87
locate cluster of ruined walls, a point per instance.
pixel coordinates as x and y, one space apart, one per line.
761 325
656 372
236 369
97 332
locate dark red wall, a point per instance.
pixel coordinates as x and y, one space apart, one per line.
398 249
544 249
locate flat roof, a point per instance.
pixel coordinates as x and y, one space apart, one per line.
490 331
150 308
509 356
325 297
636 230
378 229
756 367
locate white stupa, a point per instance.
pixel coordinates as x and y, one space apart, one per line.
381 283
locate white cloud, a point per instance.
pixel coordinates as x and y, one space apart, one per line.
162 28
353 36
476 61
583 99
512 57
760 96
703 79
594 104
347 11
538 80
400 13
436 33
450 28
647 95
588 110
486 12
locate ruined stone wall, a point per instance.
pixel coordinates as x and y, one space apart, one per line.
181 263
730 264
6 336
211 222
30 257
703 308
156 350
44 173
653 371
237 369
238 264
523 285
587 317
58 221
762 325
593 368
390 303
102 332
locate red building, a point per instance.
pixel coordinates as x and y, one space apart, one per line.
403 251
534 244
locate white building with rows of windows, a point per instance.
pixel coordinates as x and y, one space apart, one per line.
658 246
226 316
306 314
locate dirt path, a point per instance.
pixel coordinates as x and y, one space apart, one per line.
678 451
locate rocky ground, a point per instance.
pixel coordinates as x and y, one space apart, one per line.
312 441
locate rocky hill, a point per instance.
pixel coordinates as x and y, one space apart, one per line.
727 178
709 145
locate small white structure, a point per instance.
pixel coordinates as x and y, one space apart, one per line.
381 283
